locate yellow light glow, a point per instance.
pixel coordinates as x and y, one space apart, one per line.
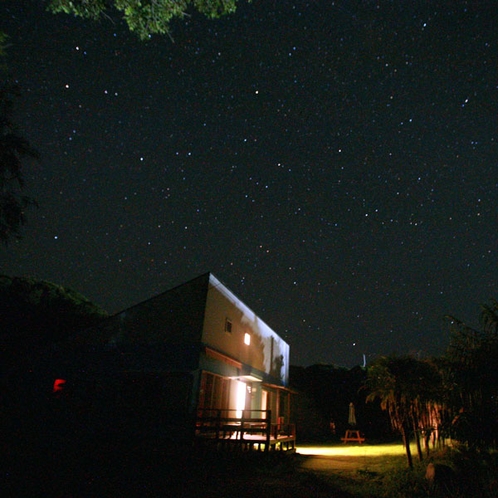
364 450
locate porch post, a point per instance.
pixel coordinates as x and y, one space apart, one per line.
278 406
288 408
268 430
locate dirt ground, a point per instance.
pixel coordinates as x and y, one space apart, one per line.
126 472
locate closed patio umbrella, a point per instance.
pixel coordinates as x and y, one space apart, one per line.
352 416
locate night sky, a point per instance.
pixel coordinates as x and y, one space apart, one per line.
333 163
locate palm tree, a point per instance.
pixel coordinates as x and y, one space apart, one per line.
409 390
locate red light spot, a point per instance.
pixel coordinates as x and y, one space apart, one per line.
59 385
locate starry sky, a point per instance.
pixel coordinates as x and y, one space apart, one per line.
334 163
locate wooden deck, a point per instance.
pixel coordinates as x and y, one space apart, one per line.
250 431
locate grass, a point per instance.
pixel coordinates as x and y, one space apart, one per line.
380 471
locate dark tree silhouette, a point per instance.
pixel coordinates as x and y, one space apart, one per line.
14 150
322 405
35 314
472 378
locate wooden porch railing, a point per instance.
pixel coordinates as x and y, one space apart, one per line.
251 429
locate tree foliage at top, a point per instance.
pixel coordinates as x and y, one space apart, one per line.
144 17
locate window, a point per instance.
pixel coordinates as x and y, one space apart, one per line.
247 339
228 325
214 393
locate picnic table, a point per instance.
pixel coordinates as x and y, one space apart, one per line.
352 436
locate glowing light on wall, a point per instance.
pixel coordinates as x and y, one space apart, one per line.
59 385
240 399
247 339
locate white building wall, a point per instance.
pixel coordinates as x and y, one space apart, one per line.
267 351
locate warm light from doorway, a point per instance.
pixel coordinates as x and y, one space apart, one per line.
240 398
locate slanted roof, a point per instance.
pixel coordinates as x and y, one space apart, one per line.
174 316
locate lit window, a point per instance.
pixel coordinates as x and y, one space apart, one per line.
247 338
228 325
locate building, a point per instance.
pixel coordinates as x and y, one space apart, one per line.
192 363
